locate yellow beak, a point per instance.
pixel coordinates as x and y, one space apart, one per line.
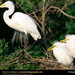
2 5
51 48
64 40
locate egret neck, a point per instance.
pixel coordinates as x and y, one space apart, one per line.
6 15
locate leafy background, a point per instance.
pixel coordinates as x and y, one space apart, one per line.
60 26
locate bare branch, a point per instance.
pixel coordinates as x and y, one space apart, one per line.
47 4
21 2
60 11
37 18
21 7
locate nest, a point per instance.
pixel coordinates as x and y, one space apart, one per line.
44 63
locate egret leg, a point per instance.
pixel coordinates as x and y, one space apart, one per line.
25 46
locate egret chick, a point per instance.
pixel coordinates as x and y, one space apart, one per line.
70 44
60 52
20 21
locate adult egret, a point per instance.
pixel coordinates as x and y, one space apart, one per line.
20 21
60 52
70 44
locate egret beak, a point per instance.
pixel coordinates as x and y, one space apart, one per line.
51 48
64 40
2 5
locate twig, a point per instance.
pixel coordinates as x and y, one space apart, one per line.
21 7
37 18
47 4
6 63
71 2
16 52
19 65
63 8
60 11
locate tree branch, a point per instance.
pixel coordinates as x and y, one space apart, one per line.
60 11
37 18
47 4
21 7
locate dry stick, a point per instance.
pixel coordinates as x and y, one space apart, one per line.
43 17
37 18
47 4
63 8
60 11
6 63
22 3
21 7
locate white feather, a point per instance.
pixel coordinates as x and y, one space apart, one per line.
70 44
60 52
20 21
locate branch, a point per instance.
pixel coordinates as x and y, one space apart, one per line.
20 6
47 4
63 9
60 11
37 18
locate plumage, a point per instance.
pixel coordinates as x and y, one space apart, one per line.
70 44
60 52
20 21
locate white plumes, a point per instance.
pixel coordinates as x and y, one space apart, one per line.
20 21
70 44
65 52
60 52
18 37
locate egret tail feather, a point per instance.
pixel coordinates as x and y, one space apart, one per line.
19 37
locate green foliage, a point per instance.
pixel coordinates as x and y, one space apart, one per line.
37 52
60 26
3 46
27 5
70 28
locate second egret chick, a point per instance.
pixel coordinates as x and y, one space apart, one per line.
60 52
70 44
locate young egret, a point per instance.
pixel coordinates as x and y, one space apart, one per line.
70 44
60 52
20 21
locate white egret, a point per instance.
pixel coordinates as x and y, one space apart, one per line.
60 52
20 21
70 44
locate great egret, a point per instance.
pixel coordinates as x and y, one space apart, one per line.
20 21
70 44
60 52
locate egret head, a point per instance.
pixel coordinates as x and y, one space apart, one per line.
7 4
